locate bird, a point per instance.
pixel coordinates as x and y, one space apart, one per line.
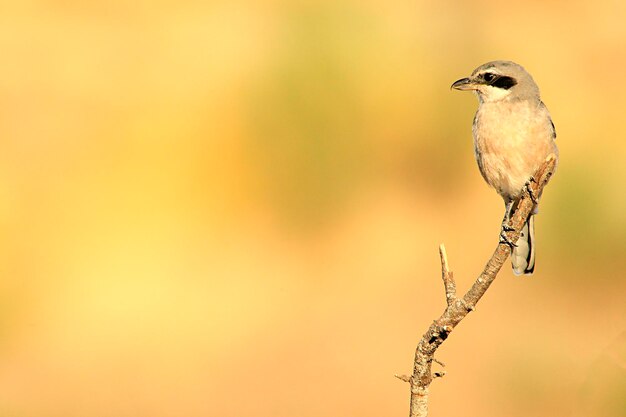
513 135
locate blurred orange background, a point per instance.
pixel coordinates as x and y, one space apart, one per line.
234 208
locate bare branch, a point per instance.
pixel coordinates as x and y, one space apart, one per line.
458 308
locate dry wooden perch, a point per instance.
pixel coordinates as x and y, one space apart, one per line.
457 308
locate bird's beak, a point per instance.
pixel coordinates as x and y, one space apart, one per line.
463 84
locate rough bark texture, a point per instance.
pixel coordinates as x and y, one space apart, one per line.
458 308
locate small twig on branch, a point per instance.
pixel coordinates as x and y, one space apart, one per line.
458 308
447 276
439 362
404 378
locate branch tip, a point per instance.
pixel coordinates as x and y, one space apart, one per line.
444 257
447 276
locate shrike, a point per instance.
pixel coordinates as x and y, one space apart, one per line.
513 135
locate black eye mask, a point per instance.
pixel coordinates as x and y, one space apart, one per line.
503 82
498 81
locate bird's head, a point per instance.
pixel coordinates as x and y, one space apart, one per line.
498 81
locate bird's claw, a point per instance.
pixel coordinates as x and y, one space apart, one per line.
505 239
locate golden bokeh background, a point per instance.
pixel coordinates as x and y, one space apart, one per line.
233 208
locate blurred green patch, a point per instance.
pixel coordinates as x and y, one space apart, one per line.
585 223
306 116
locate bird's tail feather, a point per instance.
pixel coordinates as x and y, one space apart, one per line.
523 255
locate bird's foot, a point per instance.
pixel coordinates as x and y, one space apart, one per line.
505 239
530 191
505 226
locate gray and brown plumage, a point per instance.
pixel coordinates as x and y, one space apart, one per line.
513 135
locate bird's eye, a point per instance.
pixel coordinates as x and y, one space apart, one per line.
489 77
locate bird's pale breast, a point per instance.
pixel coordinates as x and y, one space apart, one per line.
511 140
